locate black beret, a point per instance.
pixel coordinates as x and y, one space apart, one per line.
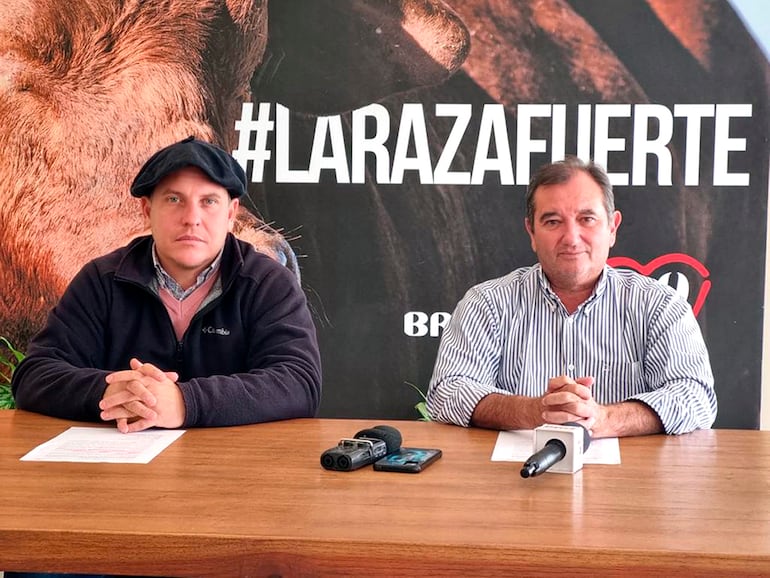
218 165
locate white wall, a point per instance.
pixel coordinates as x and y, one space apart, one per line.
764 420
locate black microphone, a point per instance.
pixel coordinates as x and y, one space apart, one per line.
366 447
563 441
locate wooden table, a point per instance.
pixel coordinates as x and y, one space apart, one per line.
254 501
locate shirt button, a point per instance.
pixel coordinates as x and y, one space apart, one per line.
571 367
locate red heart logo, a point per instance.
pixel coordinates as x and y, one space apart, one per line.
668 259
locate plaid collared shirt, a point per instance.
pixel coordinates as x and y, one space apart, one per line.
167 281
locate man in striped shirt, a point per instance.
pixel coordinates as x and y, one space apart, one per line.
571 339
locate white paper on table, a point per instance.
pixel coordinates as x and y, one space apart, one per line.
95 444
517 446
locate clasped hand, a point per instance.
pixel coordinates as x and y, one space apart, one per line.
142 397
571 400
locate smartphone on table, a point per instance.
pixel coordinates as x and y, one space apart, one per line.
408 460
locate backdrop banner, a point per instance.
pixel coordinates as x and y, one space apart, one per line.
391 144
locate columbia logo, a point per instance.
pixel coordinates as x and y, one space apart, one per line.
216 330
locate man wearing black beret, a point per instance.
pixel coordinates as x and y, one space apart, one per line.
188 326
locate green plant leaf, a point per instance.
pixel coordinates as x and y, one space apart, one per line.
422 406
422 409
6 397
8 365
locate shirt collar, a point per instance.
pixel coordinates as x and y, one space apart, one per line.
167 281
599 289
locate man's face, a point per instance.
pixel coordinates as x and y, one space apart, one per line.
189 216
571 232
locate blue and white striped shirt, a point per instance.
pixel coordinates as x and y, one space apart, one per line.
636 337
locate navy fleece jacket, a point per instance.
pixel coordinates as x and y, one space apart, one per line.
249 356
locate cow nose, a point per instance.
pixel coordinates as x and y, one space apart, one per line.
266 240
285 255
